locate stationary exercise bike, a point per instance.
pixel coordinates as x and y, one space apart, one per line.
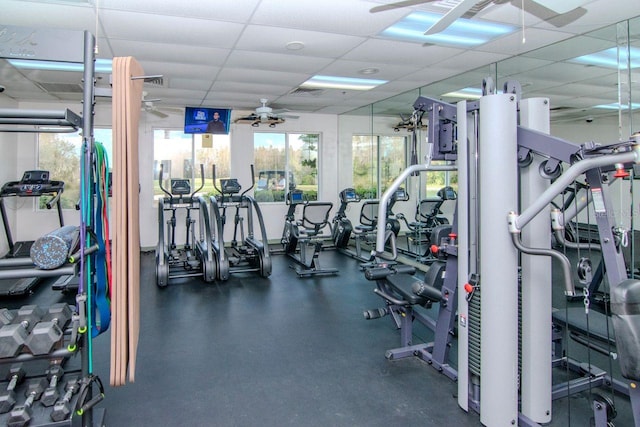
364 234
251 252
302 238
342 228
194 258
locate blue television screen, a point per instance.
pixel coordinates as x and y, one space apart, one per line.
206 120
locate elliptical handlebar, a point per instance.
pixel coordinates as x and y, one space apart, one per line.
253 178
214 180
160 175
201 181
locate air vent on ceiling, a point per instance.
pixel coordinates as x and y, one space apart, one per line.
60 87
154 81
306 91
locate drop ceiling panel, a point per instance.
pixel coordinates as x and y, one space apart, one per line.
331 16
472 59
395 52
512 43
46 15
236 10
173 69
265 76
276 61
170 52
187 83
350 69
169 29
273 39
571 48
259 89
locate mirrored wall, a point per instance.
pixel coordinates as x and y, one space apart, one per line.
592 82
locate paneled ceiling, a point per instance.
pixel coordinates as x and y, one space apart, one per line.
231 53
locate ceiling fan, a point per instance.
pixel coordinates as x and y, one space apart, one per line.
558 13
265 115
149 106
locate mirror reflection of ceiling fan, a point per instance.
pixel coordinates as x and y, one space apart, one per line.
408 124
556 12
266 115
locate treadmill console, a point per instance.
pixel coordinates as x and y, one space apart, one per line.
35 177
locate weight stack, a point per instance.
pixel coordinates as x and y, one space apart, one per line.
52 250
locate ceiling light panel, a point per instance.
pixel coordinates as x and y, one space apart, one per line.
462 33
609 58
346 83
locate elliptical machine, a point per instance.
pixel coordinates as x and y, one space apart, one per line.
247 254
194 258
301 239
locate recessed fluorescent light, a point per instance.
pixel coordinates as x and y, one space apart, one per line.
609 58
348 83
616 106
466 93
101 65
463 32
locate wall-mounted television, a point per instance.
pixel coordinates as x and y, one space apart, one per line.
206 120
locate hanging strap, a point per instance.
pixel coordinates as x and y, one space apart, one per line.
101 304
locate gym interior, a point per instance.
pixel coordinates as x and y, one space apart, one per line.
346 213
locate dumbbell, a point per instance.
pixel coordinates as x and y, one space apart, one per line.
14 335
21 415
61 409
50 330
8 396
50 395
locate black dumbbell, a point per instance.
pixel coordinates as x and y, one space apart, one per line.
8 396
62 409
21 415
14 335
49 331
50 395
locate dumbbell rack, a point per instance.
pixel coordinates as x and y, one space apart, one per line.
35 367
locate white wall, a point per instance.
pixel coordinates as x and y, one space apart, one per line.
9 150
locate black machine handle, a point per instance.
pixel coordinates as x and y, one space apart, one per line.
201 181
160 175
214 180
53 200
253 178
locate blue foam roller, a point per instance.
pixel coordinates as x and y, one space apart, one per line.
52 250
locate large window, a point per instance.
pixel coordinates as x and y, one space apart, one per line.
182 154
59 153
284 161
377 161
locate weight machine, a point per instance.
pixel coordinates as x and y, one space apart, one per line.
302 239
250 253
504 308
194 258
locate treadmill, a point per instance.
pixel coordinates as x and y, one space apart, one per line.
15 274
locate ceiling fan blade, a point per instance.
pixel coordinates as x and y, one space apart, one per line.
450 17
158 113
398 5
550 16
561 7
